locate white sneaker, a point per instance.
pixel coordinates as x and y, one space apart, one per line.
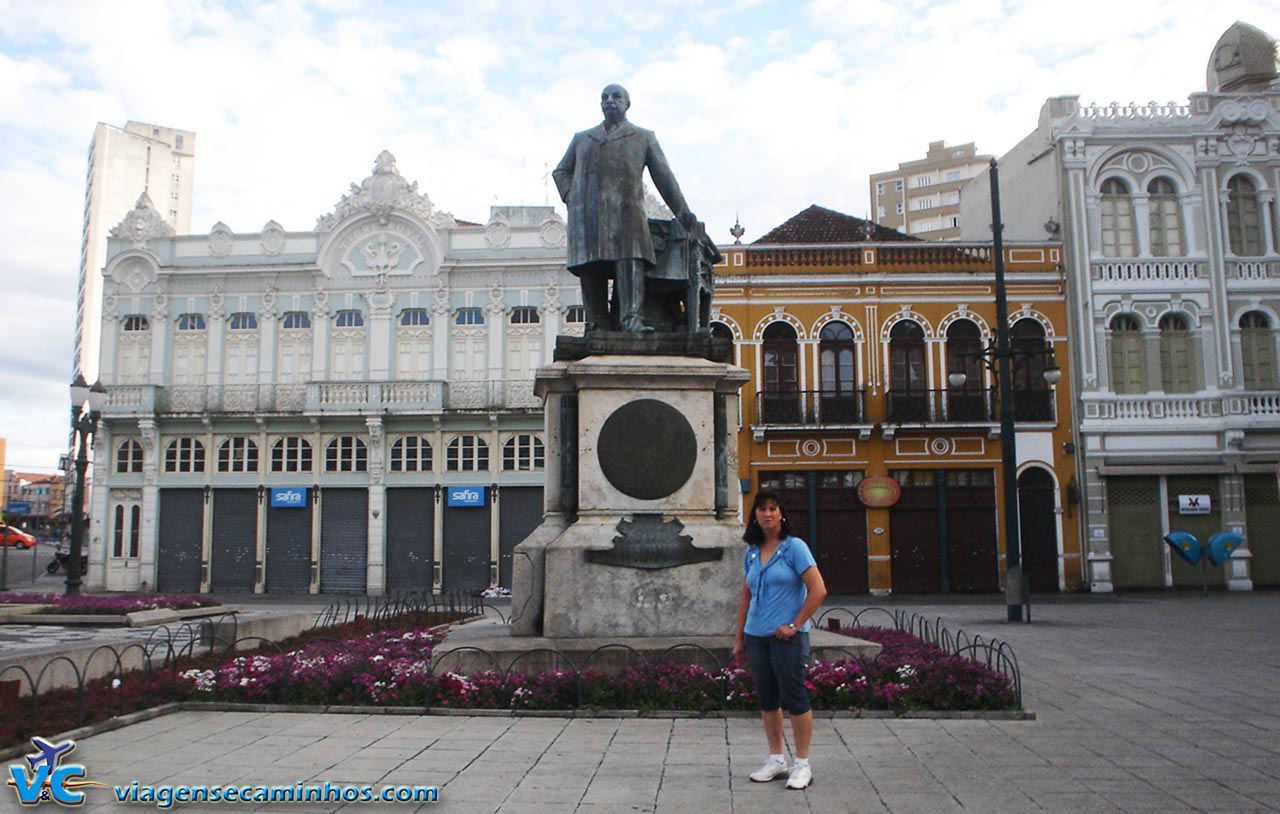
771 770
801 777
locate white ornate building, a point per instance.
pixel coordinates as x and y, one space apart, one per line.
348 409
1168 219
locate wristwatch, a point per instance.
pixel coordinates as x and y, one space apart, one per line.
792 626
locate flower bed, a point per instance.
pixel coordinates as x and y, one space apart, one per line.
106 604
391 668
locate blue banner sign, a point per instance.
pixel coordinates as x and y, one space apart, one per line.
18 507
466 495
291 497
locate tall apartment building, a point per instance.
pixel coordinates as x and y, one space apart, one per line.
125 163
922 197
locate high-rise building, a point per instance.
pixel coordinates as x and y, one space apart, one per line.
125 163
922 197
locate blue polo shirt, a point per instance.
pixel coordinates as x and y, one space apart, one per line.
777 592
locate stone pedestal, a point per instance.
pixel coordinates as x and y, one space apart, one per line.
642 536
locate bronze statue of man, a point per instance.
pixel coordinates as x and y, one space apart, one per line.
600 178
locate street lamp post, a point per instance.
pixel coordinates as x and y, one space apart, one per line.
84 422
1001 362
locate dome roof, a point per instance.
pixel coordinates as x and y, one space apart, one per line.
1243 60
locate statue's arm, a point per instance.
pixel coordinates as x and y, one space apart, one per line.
665 181
563 173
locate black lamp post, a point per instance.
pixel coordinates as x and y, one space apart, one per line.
1002 355
84 422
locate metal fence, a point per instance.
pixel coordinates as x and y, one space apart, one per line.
167 650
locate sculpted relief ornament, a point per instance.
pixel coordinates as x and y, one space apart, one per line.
143 223
383 191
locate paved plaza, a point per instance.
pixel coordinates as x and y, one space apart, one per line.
1144 703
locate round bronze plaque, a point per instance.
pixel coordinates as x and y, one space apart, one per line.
647 449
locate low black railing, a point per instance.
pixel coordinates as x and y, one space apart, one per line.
962 406
103 686
811 407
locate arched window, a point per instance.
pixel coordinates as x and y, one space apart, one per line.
348 319
1165 218
1244 223
780 384
469 316
295 320
523 453
1117 219
133 351
413 345
525 315
190 322
467 453
1128 356
837 355
347 346
184 455
411 454
239 454
242 321
291 454
719 329
1177 375
293 348
908 396
346 453
1257 351
1032 398
240 352
969 401
129 457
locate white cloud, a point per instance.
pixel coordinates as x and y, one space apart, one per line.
762 107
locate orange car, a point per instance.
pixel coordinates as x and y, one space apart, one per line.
15 537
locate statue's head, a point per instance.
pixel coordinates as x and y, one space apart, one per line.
614 102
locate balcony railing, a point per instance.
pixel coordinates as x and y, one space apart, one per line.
1256 269
1135 271
811 408
964 406
1146 408
321 397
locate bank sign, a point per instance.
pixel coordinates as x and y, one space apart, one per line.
466 495
1194 504
292 497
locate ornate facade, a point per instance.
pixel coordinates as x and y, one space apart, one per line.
1167 215
348 409
850 332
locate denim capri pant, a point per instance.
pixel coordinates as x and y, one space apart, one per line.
778 667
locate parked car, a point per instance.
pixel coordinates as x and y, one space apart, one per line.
11 536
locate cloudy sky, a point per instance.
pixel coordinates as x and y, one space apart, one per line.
762 106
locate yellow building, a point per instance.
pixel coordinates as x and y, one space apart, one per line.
850 332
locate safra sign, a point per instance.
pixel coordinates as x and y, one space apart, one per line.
466 495
292 497
1194 504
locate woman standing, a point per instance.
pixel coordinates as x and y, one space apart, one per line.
781 589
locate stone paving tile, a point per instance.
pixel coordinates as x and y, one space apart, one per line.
1126 729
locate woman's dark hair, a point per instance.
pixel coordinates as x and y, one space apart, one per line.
754 535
